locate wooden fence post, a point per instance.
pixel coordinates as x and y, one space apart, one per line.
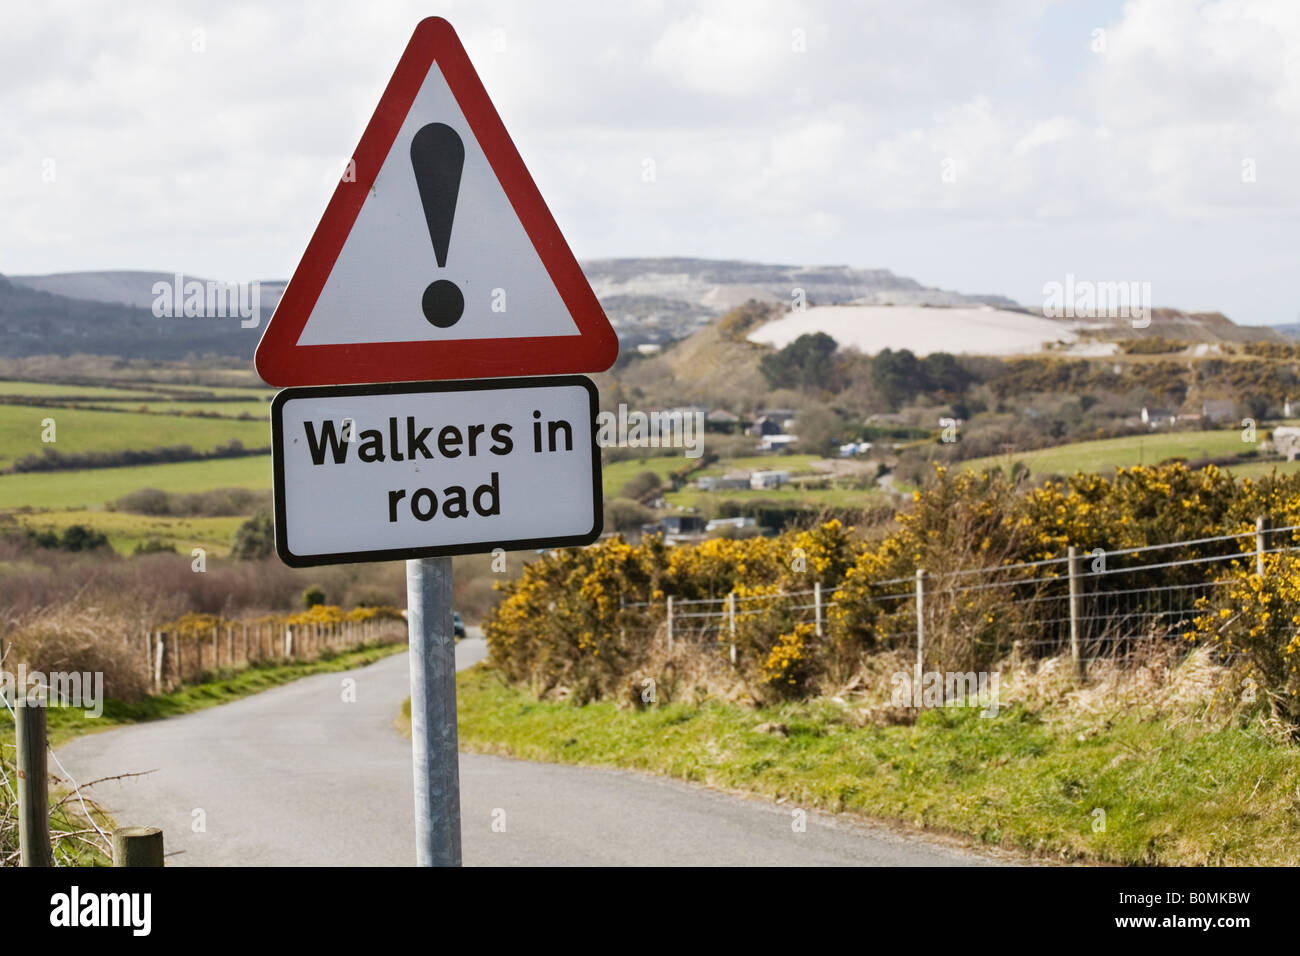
137 846
670 623
158 663
1080 665
33 784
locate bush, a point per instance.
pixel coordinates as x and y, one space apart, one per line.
254 539
312 597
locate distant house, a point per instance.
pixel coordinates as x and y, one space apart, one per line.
675 525
1286 441
782 415
766 426
723 482
777 442
717 524
1219 409
721 420
1156 417
855 448
764 480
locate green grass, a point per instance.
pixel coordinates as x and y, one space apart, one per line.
64 723
1173 792
1109 453
99 486
78 431
617 474
126 531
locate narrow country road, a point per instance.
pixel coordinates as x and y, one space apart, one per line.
296 776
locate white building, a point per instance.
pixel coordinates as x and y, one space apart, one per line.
762 480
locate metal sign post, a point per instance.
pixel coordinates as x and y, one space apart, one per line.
433 712
436 262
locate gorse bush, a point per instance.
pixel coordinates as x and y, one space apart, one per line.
583 621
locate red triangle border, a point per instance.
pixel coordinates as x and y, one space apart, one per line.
281 362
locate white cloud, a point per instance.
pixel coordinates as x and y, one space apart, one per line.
221 162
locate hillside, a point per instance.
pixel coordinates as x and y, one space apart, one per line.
35 322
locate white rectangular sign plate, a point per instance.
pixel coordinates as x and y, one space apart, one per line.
425 469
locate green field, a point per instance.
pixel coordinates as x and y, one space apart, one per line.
76 431
1110 453
127 531
617 474
99 486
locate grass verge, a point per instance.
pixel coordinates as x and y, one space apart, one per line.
1170 792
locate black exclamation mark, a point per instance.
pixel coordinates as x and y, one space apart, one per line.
438 155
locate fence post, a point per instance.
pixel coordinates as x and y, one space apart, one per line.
921 577
670 623
288 642
1259 546
33 784
1080 665
817 607
158 664
176 659
137 846
216 649
731 623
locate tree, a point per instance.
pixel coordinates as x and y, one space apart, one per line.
622 514
817 427
255 538
642 485
78 537
312 597
808 363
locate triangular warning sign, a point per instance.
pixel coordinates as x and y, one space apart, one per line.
436 257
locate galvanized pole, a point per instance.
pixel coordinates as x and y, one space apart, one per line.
433 712
1259 546
731 622
817 607
920 634
1080 666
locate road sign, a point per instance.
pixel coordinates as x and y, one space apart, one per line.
437 257
424 469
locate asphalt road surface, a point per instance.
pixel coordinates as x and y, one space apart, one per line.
297 776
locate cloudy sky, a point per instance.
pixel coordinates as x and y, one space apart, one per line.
979 146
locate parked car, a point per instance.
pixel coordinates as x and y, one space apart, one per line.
457 625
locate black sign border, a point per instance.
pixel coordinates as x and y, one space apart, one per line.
404 388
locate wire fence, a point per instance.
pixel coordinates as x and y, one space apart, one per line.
1088 604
